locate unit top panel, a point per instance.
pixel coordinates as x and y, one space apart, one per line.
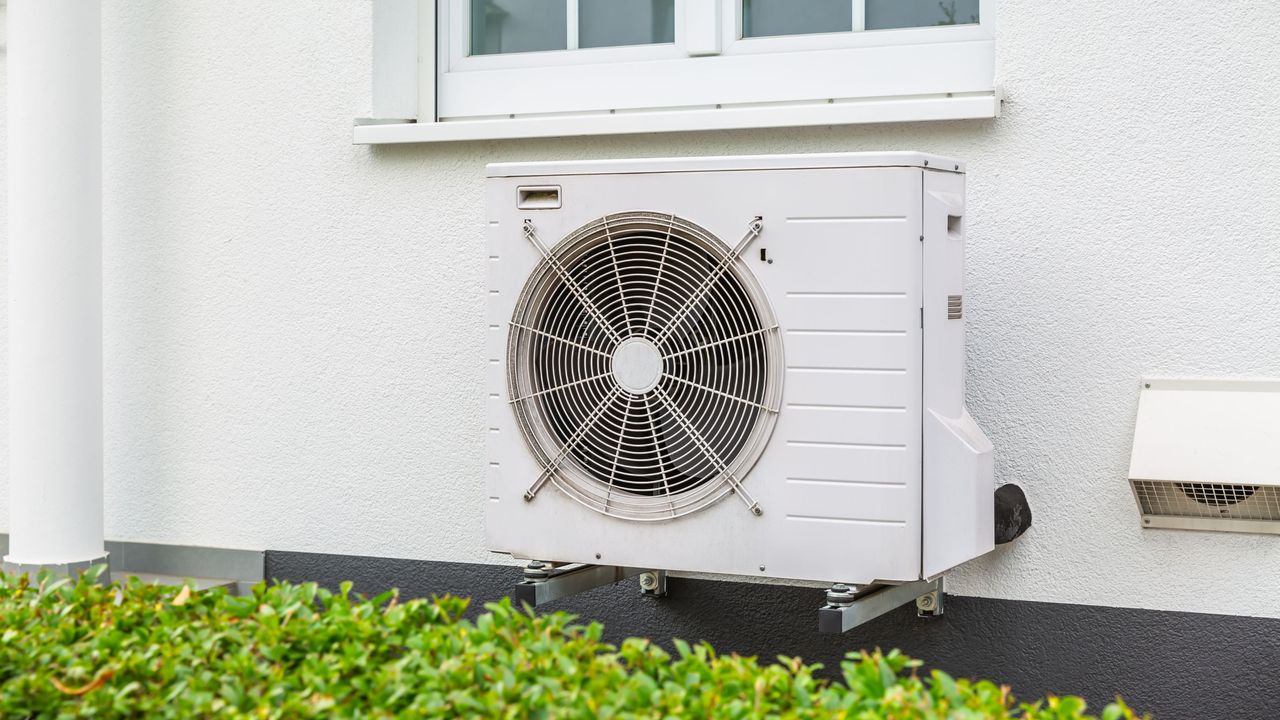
727 163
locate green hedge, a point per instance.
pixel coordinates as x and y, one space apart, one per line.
79 648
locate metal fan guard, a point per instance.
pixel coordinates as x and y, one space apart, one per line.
614 297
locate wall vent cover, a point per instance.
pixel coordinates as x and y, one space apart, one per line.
644 366
1203 454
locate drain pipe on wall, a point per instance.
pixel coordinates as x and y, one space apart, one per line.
55 285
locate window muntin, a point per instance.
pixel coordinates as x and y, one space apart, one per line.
504 26
774 18
614 23
500 27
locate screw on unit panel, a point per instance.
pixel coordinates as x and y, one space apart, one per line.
926 163
597 556
761 568
1146 385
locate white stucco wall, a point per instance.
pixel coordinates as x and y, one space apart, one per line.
294 325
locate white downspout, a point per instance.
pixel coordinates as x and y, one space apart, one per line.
55 285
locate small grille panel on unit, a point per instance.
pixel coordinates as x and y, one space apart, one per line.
955 307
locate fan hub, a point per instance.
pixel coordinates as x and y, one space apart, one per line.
637 365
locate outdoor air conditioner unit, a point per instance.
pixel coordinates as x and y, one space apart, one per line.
742 365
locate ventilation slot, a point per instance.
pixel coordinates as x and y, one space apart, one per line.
955 307
538 197
1206 501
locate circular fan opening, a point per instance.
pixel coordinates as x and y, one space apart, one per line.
644 366
1216 494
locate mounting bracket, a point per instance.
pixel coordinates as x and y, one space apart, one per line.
544 582
848 607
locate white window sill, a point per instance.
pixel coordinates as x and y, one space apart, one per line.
960 106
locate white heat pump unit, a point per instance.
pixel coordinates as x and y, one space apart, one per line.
741 365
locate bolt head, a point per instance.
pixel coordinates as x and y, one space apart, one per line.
925 602
648 581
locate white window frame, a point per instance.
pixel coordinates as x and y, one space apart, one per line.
709 78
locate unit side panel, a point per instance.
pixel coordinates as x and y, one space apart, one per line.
510 259
958 484
846 284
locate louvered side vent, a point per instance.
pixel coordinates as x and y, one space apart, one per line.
1163 499
955 307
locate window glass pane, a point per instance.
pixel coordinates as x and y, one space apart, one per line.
509 26
885 14
603 23
795 17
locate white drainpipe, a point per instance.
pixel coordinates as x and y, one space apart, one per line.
55 285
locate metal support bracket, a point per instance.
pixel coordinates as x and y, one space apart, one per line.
544 582
848 607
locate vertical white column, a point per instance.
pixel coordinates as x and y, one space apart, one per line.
55 284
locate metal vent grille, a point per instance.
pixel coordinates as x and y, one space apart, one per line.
955 307
644 366
1207 500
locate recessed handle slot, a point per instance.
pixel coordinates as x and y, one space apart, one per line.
538 197
955 224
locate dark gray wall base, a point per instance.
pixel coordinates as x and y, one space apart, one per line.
1173 665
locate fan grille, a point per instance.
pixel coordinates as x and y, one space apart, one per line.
644 366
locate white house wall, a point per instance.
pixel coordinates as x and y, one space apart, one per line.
294 325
